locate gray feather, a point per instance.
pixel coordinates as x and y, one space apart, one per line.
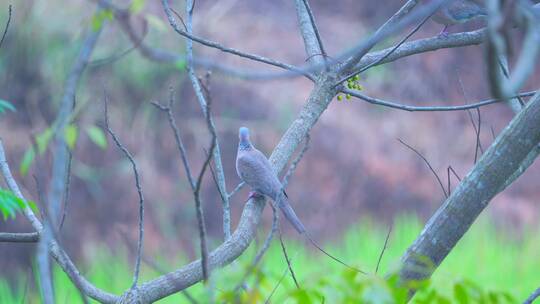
256 171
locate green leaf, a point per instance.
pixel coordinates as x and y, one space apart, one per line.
27 161
10 203
43 139
460 293
136 6
98 18
6 105
156 23
70 134
97 136
180 64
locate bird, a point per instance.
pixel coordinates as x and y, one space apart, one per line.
458 11
255 170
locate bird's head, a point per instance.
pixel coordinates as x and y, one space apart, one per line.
243 135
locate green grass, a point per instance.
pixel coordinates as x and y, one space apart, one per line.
493 259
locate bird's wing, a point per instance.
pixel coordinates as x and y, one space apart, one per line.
254 169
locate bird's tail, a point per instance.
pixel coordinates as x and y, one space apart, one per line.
290 214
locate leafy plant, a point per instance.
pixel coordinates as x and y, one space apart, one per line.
6 105
10 204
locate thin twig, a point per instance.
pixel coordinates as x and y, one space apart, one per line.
236 189
448 170
533 296
222 48
400 106
428 164
478 144
200 91
66 192
390 52
7 26
289 265
295 162
128 155
261 252
384 248
179 143
19 237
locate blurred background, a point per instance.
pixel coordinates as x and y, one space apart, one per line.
355 172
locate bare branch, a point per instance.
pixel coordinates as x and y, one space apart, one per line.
258 257
384 248
203 103
296 161
7 26
312 39
57 253
236 189
487 178
60 149
533 296
66 192
139 192
395 23
287 259
20 237
218 46
400 106
427 163
421 46
390 52
179 143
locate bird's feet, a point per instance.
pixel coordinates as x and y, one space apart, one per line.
444 32
254 194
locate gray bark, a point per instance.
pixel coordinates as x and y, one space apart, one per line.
504 161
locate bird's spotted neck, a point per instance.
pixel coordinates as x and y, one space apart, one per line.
244 145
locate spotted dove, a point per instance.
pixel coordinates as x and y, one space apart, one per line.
255 170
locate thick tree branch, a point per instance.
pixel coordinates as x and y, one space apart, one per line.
308 28
60 149
487 178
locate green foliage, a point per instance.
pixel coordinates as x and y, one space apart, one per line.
100 17
6 105
71 134
136 6
10 204
27 160
97 136
180 64
470 274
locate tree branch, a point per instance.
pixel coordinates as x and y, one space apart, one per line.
7 26
487 178
399 106
312 39
57 253
24 237
139 192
